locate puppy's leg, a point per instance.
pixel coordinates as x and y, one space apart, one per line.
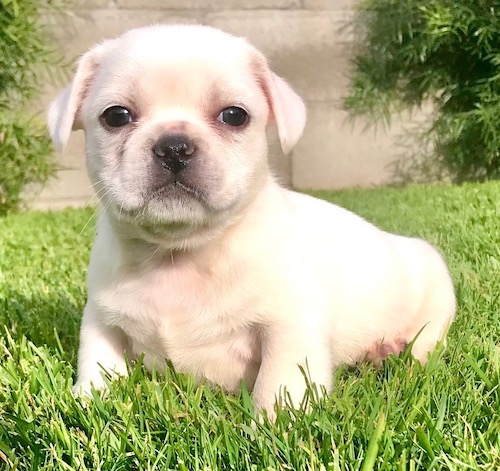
102 348
285 352
438 307
436 317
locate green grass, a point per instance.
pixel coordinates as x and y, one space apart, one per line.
403 416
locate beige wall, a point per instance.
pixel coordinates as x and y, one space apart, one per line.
309 42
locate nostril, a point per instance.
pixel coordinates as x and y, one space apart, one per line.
189 149
160 151
182 149
164 150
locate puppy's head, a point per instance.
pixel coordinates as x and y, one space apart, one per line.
175 120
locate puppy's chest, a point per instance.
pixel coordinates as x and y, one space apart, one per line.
202 324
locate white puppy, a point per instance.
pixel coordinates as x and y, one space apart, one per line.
200 256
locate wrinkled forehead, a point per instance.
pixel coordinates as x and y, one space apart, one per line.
179 66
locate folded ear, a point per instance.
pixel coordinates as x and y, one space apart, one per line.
287 108
63 114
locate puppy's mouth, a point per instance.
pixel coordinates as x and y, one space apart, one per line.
195 193
177 189
177 198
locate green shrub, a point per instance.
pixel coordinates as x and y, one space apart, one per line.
26 57
443 51
26 157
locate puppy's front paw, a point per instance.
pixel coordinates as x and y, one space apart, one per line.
83 387
297 398
264 408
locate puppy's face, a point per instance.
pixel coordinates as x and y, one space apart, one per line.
175 121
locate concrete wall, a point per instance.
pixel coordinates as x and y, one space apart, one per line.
309 42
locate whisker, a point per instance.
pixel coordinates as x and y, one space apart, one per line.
92 216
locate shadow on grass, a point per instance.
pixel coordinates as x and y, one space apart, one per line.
51 320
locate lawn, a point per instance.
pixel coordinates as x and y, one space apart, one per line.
402 416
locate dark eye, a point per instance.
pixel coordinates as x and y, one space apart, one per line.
233 116
116 116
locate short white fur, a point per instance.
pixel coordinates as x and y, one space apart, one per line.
254 280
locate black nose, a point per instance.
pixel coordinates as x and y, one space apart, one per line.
174 151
